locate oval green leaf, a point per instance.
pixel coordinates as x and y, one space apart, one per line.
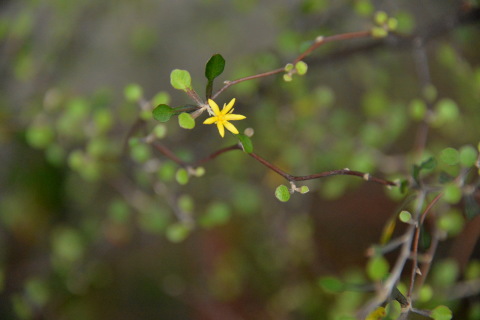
441 313
162 113
377 268
282 193
246 143
180 79
186 121
214 67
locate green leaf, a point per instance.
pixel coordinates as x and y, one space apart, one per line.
40 136
133 92
304 189
160 131
377 268
214 67
381 17
331 284
450 156
178 232
180 79
162 113
405 216
441 313
452 193
218 213
417 109
452 222
282 193
246 143
182 176
445 273
468 156
428 164
301 67
186 121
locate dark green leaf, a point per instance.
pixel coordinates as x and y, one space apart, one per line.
246 143
163 113
428 164
214 67
472 209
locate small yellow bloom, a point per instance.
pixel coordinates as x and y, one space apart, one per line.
221 118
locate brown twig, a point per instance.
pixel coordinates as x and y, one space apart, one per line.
415 243
317 43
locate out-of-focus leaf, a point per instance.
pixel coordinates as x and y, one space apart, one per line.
246 143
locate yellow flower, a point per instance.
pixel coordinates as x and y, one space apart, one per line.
221 118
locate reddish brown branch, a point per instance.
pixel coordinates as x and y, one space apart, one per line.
289 177
366 176
415 244
318 42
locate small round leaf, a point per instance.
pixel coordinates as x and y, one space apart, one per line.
377 268
441 313
468 156
178 232
182 176
133 92
405 216
186 121
180 79
162 113
301 67
282 193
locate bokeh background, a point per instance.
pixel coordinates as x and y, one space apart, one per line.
93 226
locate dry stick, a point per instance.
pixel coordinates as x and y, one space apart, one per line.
318 42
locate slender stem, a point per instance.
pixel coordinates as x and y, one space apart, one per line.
168 153
216 154
366 176
289 177
415 243
256 76
318 42
338 37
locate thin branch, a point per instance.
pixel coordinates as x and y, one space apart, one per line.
289 177
256 76
415 243
317 43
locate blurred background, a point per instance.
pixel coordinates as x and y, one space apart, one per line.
95 225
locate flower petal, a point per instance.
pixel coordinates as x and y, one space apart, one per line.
214 106
228 106
230 127
210 120
234 117
221 129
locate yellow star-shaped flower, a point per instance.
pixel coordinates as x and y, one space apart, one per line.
222 118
